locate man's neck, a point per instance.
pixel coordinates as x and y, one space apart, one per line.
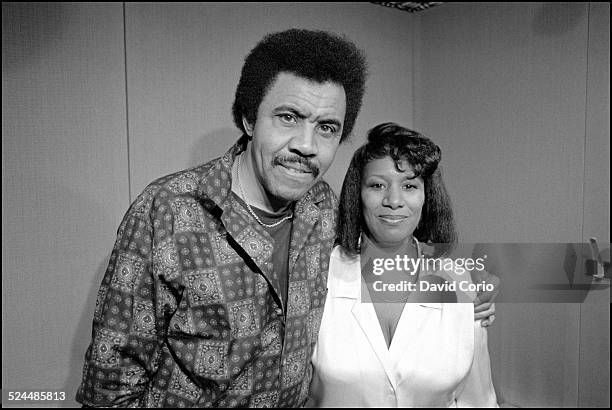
252 191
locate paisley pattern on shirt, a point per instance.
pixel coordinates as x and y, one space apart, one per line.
187 315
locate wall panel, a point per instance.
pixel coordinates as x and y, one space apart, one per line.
594 387
501 87
64 183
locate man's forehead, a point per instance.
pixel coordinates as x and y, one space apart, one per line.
297 76
289 79
299 93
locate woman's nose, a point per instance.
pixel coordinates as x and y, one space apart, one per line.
393 198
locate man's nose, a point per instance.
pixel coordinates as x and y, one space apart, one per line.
304 142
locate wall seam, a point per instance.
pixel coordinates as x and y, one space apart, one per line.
584 179
586 108
127 106
413 74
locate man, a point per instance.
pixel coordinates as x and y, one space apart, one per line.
215 287
216 283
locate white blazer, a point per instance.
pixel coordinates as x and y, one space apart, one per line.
438 355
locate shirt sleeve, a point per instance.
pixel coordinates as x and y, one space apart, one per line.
128 324
478 390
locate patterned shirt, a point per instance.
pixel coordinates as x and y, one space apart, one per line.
188 312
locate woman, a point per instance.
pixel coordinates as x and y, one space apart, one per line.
396 346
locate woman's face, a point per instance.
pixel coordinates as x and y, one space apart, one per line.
392 201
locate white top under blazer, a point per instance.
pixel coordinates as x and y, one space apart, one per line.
438 356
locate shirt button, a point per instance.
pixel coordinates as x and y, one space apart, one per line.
278 311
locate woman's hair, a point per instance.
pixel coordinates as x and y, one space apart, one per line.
437 224
313 55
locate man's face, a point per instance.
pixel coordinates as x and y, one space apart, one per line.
296 135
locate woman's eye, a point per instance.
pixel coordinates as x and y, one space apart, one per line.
377 186
409 187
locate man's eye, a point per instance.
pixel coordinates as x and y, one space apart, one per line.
328 129
288 118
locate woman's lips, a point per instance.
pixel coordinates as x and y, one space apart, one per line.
393 219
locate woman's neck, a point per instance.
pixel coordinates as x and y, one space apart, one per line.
406 247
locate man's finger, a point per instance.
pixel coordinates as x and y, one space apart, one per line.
485 315
488 322
489 279
482 307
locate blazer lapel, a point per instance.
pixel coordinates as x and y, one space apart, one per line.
363 310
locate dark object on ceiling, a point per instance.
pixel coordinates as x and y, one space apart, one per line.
409 6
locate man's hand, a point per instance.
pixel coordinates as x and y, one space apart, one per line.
484 308
486 312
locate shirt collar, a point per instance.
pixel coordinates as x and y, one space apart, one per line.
344 275
216 182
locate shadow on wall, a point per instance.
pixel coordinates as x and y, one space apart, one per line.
29 29
82 338
553 19
212 145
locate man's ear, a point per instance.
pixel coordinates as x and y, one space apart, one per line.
247 127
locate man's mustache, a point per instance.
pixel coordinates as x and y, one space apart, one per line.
285 160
